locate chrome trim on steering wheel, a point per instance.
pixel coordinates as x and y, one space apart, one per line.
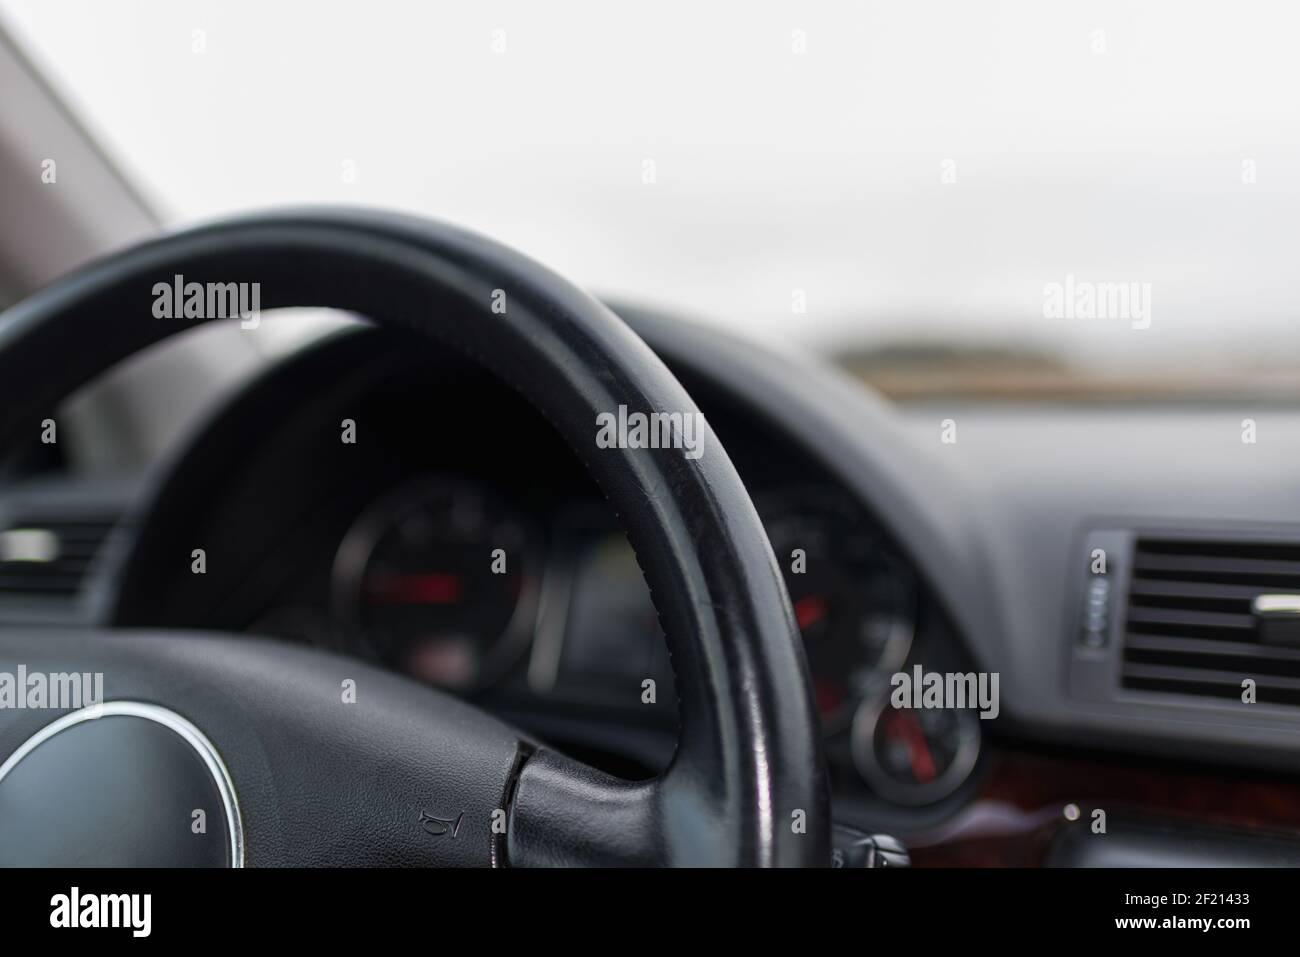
192 736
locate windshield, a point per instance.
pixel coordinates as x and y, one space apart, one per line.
1021 196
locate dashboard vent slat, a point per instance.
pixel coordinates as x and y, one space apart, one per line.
73 546
1203 591
1189 628
1194 617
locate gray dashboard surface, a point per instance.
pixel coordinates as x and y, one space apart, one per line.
995 521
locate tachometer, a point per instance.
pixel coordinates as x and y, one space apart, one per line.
853 600
441 581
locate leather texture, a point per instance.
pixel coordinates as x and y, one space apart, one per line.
747 785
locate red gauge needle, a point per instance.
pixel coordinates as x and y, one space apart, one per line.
424 588
809 610
918 751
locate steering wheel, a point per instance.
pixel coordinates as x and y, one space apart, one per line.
296 771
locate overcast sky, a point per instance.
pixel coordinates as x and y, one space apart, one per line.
915 169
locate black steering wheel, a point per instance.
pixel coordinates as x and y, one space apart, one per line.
402 774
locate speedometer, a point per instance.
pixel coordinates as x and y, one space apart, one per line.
439 580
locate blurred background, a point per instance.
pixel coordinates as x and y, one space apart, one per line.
894 184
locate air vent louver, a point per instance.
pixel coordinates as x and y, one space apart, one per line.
44 559
1189 626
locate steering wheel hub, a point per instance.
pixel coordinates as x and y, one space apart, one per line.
112 785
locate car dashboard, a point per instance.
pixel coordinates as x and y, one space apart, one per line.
373 497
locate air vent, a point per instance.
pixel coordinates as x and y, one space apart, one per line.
1191 626
43 559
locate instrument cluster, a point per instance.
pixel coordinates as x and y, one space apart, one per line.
458 586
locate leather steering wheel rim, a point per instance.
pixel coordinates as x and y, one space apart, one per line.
747 784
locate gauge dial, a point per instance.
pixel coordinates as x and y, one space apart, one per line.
853 601
439 580
914 756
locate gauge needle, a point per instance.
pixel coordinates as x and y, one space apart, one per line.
423 588
809 610
918 750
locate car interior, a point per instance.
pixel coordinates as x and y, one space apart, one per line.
446 560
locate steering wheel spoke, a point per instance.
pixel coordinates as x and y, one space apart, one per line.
564 813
